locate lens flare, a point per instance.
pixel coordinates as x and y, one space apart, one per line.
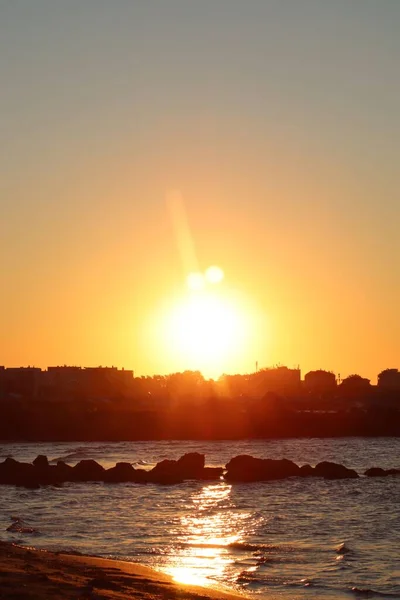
214 274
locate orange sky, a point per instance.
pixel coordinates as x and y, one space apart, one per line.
280 129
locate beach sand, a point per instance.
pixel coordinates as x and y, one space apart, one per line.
29 574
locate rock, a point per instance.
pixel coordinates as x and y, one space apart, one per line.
375 472
10 464
242 468
41 462
331 470
247 468
393 471
307 471
165 472
123 472
142 476
88 470
46 474
29 484
13 472
164 466
378 472
189 466
64 471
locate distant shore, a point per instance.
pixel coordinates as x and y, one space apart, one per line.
26 573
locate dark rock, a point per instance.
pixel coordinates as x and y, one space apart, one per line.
375 472
13 472
307 471
247 468
141 475
331 470
64 471
165 472
41 462
243 468
189 466
123 472
46 474
88 470
49 476
10 464
165 466
393 471
29 484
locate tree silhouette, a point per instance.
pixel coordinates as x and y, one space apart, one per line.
355 381
389 378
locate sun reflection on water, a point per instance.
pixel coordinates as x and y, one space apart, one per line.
210 527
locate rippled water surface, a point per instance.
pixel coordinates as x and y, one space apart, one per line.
303 538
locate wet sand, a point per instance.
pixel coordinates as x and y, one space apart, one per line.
29 574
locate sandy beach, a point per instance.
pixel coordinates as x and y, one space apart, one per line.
30 574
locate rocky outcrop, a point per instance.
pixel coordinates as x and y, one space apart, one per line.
393 472
331 470
242 468
245 468
307 471
64 471
378 472
41 462
189 466
13 472
88 470
123 472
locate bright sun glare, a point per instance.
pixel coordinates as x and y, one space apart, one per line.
198 281
207 327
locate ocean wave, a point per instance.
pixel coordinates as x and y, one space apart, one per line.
239 546
73 456
246 577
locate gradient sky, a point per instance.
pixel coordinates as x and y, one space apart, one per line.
278 121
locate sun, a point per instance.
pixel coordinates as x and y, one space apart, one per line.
206 330
207 325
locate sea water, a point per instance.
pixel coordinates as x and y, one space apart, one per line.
296 538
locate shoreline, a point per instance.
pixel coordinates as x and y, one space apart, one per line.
31 574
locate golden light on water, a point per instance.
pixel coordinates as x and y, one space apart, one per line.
187 576
210 529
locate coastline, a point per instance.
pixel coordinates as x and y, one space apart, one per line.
30 574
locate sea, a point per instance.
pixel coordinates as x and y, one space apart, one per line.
296 538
